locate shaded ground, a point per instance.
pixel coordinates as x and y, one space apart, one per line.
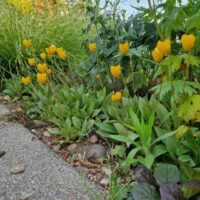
46 176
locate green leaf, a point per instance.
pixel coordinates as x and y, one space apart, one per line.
166 173
191 60
121 130
76 122
190 109
163 137
158 150
147 161
144 191
106 127
53 131
129 160
191 189
122 138
191 173
119 150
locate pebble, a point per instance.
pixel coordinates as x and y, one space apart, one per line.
6 98
33 131
18 169
46 134
57 148
72 147
19 110
107 171
95 151
104 182
2 153
93 139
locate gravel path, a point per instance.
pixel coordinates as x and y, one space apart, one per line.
45 177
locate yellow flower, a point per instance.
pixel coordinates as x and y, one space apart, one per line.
51 50
61 53
124 48
42 78
26 80
92 47
164 46
42 67
49 71
188 41
98 76
116 71
43 56
27 43
31 62
157 55
117 96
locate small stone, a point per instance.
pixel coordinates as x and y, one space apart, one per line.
33 131
107 171
72 147
104 182
2 153
95 151
57 148
93 139
18 169
46 134
19 110
6 98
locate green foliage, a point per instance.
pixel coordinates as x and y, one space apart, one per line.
166 173
64 31
190 108
136 130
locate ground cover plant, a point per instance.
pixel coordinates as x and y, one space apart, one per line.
134 83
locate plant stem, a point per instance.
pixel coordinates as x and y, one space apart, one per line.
153 15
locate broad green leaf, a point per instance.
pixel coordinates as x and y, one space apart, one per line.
76 122
158 150
53 131
164 136
106 127
166 173
121 130
122 138
190 109
144 191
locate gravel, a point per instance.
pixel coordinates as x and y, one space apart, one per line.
46 176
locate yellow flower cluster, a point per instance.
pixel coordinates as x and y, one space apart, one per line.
27 43
26 80
163 48
43 56
92 47
23 6
52 50
116 71
31 62
42 78
124 48
117 96
188 42
61 53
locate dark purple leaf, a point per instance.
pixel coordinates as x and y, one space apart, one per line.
171 191
143 175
